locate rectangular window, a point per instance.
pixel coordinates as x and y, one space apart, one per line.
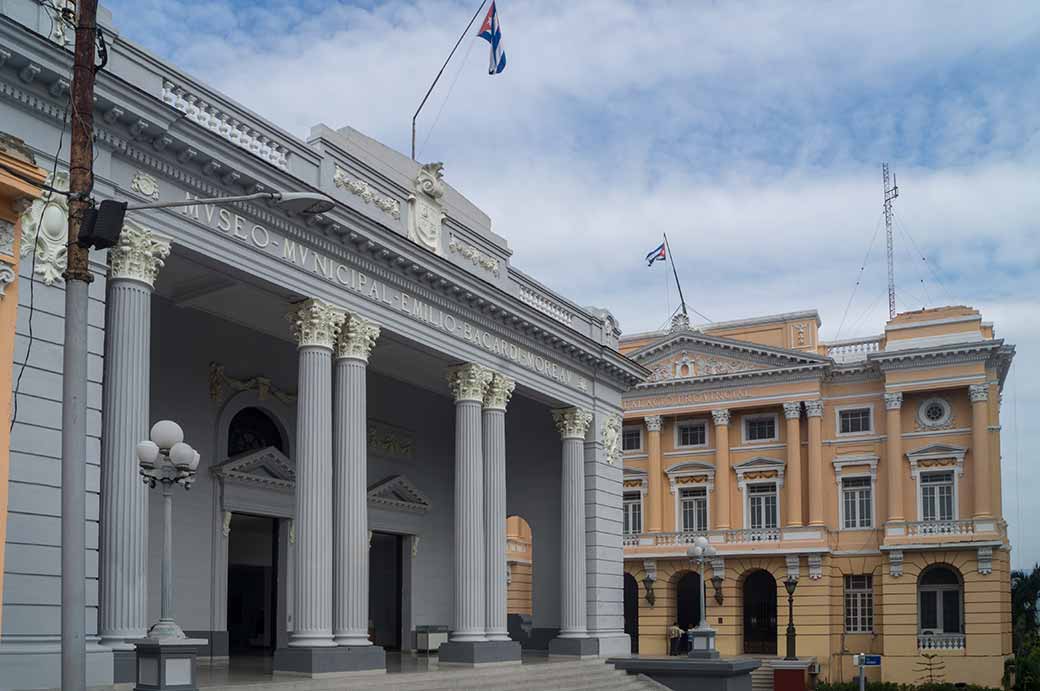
859 604
854 421
937 496
633 513
692 433
762 506
760 428
631 439
856 502
693 504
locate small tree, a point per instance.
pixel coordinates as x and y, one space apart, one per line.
932 669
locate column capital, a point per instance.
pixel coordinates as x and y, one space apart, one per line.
792 410
315 323
978 393
813 408
721 416
572 423
469 382
356 338
138 255
498 393
894 401
653 423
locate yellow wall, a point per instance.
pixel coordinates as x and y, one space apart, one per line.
519 553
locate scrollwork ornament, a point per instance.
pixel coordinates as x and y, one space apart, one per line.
138 255
45 230
469 382
145 184
357 337
7 277
611 434
315 323
572 423
499 391
6 238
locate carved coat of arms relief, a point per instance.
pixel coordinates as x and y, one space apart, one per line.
427 216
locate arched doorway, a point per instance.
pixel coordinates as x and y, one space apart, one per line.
688 600
520 581
632 610
760 613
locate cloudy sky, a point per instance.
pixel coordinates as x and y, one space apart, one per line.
751 133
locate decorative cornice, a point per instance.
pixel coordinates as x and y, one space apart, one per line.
775 376
692 471
484 261
469 382
974 351
653 423
315 323
218 381
792 410
937 455
362 189
356 338
138 254
611 435
760 468
814 408
278 470
721 416
893 401
498 393
572 423
978 393
398 493
840 462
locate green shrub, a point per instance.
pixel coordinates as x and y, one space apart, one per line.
892 686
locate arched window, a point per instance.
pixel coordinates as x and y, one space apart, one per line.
939 601
251 430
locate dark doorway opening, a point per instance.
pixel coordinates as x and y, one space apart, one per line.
632 611
384 590
252 592
688 601
760 613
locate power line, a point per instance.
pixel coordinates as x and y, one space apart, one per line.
927 263
859 277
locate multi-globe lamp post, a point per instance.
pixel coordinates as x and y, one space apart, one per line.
702 638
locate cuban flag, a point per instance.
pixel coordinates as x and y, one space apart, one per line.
492 33
656 255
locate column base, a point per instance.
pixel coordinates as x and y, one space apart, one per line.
479 653
574 647
613 645
326 661
124 666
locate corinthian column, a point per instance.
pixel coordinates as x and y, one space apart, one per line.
572 424
494 426
722 478
469 384
981 472
894 455
654 493
350 485
134 264
814 411
315 326
792 413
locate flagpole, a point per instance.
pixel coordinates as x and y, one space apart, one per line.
675 273
437 78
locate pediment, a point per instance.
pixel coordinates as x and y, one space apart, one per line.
690 468
759 463
267 467
398 493
937 451
693 355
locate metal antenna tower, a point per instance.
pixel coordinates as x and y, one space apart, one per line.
890 194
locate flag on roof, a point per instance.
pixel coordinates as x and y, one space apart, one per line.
492 33
657 255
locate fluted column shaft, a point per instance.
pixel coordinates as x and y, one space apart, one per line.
981 472
793 473
722 478
894 455
494 429
469 384
653 509
814 411
123 581
316 326
572 424
350 484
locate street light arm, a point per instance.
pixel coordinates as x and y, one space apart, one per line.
208 200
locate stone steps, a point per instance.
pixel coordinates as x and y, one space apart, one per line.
762 678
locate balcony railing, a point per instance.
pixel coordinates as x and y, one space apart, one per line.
926 528
630 540
854 349
680 538
940 641
517 546
753 535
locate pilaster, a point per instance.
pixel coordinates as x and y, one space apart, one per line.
653 498
722 475
894 455
814 412
792 415
981 472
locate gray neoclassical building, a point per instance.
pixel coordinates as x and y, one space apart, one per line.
373 390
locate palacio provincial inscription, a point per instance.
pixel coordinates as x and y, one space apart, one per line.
688 398
334 271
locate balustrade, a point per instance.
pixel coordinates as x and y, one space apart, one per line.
940 641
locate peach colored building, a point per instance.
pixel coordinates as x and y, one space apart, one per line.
867 469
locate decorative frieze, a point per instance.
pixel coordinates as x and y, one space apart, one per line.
937 456
220 382
611 437
366 193
315 323
572 423
813 408
145 184
427 215
978 393
45 230
484 261
721 416
895 563
357 337
138 255
498 392
653 423
469 382
390 441
893 401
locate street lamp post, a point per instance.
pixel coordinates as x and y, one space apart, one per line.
166 460
702 638
791 583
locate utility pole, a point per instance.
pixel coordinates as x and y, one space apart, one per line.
74 377
890 194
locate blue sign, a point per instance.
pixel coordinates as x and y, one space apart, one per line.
870 660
